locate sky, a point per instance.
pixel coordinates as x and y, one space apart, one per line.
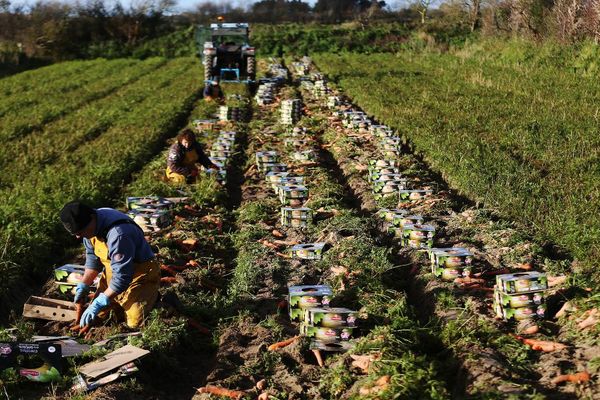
185 5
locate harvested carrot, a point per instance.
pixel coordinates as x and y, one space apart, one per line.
168 270
191 210
317 354
542 345
284 255
466 281
478 287
268 244
566 308
193 263
263 396
219 391
556 280
493 272
187 244
178 268
283 343
196 325
285 242
277 234
591 320
168 279
525 266
579 377
78 312
282 305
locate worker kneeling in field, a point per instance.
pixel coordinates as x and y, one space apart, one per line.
183 156
213 92
115 246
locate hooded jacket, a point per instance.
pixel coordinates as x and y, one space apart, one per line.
177 155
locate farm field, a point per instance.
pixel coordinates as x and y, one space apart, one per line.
88 153
522 139
222 328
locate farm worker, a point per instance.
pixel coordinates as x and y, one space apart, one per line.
213 92
115 246
183 156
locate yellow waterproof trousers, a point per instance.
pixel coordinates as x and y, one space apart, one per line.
138 300
190 160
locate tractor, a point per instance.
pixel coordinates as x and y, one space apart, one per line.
225 52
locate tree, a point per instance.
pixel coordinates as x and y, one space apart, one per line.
567 18
422 8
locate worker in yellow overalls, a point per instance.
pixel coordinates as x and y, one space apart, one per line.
116 247
183 156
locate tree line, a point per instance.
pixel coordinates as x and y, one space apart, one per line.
56 31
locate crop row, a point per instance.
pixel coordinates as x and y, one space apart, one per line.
59 84
27 155
460 318
32 79
521 153
96 85
94 171
357 265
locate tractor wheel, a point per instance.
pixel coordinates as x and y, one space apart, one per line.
208 63
251 68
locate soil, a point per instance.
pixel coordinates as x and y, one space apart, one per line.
239 357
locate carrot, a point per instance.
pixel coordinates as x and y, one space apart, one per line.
541 345
219 391
579 377
79 312
283 343
178 268
187 244
191 210
168 279
317 354
168 270
277 234
196 325
466 281
591 320
494 272
193 263
268 244
284 243
284 255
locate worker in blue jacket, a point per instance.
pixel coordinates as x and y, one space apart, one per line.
116 247
213 91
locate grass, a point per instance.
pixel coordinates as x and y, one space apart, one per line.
516 137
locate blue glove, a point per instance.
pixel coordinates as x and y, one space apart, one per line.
92 311
81 292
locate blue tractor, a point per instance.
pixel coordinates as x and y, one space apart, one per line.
226 53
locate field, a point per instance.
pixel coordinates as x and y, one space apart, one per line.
519 138
507 145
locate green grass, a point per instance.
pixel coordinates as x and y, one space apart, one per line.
94 171
519 136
